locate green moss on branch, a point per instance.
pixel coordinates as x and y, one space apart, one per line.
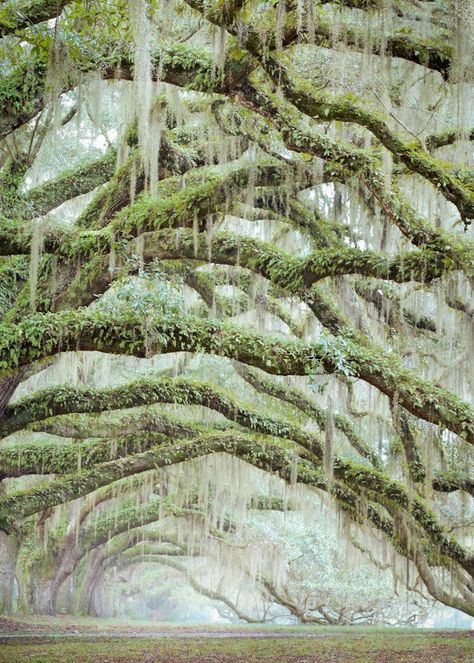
39 336
70 184
26 13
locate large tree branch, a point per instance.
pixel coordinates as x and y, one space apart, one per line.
17 506
325 108
242 252
177 64
66 400
17 16
75 182
261 382
192 393
44 335
420 265
268 456
52 458
343 159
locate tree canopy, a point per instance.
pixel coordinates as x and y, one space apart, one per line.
236 272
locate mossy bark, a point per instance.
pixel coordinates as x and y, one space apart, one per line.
8 555
43 335
29 12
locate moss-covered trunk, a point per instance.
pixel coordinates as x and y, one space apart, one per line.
8 555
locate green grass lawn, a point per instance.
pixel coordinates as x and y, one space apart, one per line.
242 645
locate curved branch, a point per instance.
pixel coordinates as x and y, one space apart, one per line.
76 182
326 108
43 335
263 383
24 14
17 506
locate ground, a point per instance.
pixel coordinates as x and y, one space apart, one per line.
56 640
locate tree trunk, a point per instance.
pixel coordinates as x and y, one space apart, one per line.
87 603
45 598
96 602
8 386
65 567
8 554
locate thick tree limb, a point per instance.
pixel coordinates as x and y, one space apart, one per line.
269 456
44 335
325 107
17 16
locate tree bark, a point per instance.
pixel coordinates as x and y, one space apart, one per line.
8 553
8 385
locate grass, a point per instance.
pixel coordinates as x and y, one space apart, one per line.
238 644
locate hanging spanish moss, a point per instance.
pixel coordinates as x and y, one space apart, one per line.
35 257
142 76
236 310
